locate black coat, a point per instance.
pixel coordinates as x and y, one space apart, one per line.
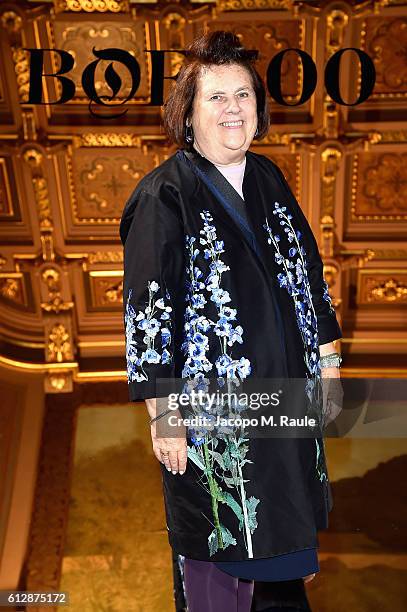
207 295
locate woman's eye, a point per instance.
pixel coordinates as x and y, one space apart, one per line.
243 94
215 96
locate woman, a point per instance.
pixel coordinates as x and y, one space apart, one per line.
223 282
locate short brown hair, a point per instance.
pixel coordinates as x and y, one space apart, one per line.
214 48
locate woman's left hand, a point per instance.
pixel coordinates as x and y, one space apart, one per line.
332 394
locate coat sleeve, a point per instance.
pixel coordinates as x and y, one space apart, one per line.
152 234
328 327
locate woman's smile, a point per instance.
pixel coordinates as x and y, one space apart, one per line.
232 124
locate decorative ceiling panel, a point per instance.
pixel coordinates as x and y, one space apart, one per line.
95 182
79 38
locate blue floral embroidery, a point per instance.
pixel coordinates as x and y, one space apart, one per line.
154 325
327 297
221 471
295 280
196 343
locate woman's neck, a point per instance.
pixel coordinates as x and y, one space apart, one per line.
222 162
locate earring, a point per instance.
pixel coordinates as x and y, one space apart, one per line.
189 134
256 133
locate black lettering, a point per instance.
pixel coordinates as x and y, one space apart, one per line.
368 76
274 77
36 74
112 78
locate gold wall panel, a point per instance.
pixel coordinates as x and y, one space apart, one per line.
385 41
386 287
13 290
380 183
95 182
104 289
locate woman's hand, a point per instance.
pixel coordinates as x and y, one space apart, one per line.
332 388
171 451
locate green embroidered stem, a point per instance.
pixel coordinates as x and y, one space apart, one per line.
244 508
213 487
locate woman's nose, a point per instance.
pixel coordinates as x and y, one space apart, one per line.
233 105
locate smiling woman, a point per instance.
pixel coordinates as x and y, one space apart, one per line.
223 282
224 116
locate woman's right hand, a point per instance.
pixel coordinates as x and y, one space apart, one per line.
172 452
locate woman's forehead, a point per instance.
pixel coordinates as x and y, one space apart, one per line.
227 75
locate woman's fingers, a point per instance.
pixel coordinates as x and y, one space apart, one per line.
182 460
172 452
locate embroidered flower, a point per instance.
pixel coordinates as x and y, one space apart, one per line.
221 472
155 322
327 297
196 346
294 279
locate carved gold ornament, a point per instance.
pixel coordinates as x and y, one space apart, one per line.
55 303
252 5
389 291
59 345
92 6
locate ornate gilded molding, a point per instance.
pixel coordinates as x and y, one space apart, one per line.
336 21
391 291
390 254
107 140
253 5
34 159
105 257
106 289
12 22
21 68
59 346
52 279
12 288
336 24
390 136
382 286
330 161
385 46
91 6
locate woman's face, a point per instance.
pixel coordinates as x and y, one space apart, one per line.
224 113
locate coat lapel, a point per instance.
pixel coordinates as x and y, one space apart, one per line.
223 192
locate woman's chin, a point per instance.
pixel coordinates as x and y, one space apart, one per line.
235 143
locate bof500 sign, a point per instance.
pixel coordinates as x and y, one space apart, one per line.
273 76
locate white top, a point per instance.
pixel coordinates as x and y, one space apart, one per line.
234 174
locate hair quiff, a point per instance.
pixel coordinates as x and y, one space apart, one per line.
214 48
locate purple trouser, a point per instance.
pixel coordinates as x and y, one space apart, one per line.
209 589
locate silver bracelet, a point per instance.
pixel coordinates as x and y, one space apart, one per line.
331 360
161 415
